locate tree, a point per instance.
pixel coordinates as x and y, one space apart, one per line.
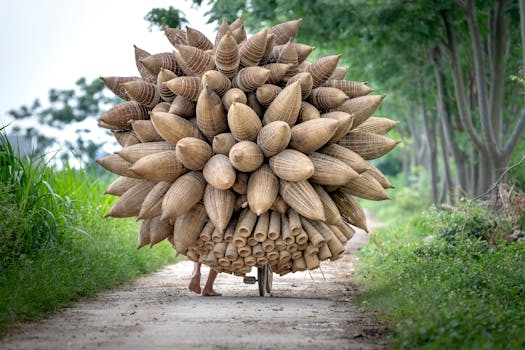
453 59
67 107
494 142
170 17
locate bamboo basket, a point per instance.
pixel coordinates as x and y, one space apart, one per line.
241 152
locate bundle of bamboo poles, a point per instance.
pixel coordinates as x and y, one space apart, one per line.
243 153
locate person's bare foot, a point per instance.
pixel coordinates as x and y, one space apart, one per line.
210 293
195 284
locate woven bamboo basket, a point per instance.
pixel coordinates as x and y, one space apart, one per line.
242 152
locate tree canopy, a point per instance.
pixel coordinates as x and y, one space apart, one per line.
169 17
63 108
453 71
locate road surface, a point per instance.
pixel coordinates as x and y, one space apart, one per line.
307 310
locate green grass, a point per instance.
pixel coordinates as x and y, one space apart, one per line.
55 245
441 282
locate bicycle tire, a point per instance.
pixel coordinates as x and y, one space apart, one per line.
269 279
261 280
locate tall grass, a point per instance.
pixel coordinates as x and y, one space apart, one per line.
55 245
32 214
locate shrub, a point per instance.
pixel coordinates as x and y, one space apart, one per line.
447 280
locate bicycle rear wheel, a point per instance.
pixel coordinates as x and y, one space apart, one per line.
262 276
269 279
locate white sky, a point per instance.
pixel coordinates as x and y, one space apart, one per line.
51 43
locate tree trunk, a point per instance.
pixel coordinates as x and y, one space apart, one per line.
494 155
444 192
448 141
446 167
419 148
499 45
459 86
520 126
486 172
522 30
461 160
474 171
486 146
480 77
406 155
430 131
405 166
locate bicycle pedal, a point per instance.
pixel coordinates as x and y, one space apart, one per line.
250 279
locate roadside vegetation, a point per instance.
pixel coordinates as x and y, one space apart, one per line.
447 276
448 279
55 246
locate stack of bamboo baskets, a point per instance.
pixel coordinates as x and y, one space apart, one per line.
242 153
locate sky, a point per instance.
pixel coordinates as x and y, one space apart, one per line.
51 43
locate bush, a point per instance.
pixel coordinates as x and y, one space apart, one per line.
468 220
438 295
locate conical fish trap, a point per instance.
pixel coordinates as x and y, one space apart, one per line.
242 153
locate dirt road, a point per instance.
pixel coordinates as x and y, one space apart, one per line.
307 311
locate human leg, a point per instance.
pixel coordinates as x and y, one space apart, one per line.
195 282
208 290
